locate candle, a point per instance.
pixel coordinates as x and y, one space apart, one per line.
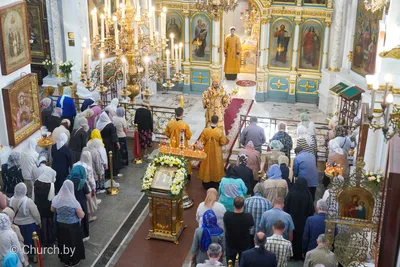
124 71
102 29
163 22
153 11
94 23
89 54
117 4
180 55
116 31
146 8
168 70
102 67
109 8
150 5
138 9
105 6
136 30
172 45
176 59
146 69
151 26
122 10
83 54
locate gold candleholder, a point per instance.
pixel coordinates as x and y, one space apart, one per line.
102 88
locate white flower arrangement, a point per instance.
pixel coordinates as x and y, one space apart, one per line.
374 178
178 181
47 63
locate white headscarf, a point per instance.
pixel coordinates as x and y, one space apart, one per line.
32 143
103 121
303 133
66 93
114 104
334 147
47 175
20 198
14 160
5 223
86 162
66 197
62 140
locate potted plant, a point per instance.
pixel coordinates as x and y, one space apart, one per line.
49 67
66 69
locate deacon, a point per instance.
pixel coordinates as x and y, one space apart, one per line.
173 132
215 101
212 168
232 49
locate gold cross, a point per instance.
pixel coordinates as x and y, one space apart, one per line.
308 86
200 76
279 84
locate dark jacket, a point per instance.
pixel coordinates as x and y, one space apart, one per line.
246 174
254 258
315 225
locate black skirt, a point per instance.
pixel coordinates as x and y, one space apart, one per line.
70 238
123 151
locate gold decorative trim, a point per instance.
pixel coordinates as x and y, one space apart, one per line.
325 53
265 20
295 51
395 91
393 53
328 24
350 56
334 69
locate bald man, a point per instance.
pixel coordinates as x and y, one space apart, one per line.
258 256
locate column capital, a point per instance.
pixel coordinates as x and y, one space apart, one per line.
328 24
186 13
265 20
298 21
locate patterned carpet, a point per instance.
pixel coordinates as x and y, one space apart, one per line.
246 83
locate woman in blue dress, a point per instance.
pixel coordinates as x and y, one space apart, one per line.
62 160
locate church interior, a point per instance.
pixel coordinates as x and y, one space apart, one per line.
200 133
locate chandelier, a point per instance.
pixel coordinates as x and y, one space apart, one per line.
214 8
375 5
135 50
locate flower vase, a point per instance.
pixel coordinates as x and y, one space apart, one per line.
50 72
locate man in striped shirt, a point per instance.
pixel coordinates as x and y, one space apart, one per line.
256 206
278 245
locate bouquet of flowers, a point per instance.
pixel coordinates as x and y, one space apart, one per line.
374 178
66 68
48 65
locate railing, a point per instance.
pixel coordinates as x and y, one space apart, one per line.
270 128
161 115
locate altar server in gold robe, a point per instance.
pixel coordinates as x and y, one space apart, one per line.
232 49
212 168
173 132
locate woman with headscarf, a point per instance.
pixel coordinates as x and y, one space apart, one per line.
62 128
209 232
310 127
337 155
272 156
331 132
92 119
112 108
69 232
45 110
144 121
27 216
29 158
67 104
9 242
48 93
99 158
11 174
211 203
244 173
110 140
254 158
54 120
121 126
275 186
79 138
230 187
300 205
15 228
287 173
87 163
306 141
82 195
84 114
342 139
44 192
62 161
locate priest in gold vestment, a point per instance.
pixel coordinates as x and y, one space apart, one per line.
232 49
212 168
215 101
173 132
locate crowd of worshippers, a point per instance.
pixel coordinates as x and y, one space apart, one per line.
267 222
52 191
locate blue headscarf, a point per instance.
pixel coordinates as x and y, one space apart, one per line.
10 260
78 172
274 172
210 228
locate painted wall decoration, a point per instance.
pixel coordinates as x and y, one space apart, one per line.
311 45
365 40
307 86
281 43
284 2
176 26
200 77
200 32
21 105
278 84
315 2
14 37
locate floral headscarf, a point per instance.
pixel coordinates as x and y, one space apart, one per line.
14 159
274 172
340 131
5 223
243 158
57 112
45 103
210 228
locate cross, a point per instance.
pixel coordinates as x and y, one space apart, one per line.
279 84
200 77
308 86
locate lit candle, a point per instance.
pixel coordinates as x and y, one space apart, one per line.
116 31
109 9
124 71
150 25
146 69
102 67
136 29
94 23
102 29
146 8
83 54
389 102
89 54
172 45
138 9
150 5
153 11
163 22
180 55
105 6
168 70
122 10
176 59
117 4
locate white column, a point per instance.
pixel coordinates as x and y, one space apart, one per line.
55 31
326 45
296 44
370 149
336 35
350 20
263 45
267 33
215 42
187 37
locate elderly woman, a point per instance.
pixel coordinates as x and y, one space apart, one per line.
331 132
245 173
44 192
11 173
337 156
54 120
68 106
121 125
79 138
48 93
254 158
62 128
69 232
99 159
29 158
92 119
342 139
209 232
211 203
112 108
275 187
306 141
46 110
284 138
287 173
230 187
273 155
9 241
62 161
27 215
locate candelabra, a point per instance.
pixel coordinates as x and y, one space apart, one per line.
375 5
214 8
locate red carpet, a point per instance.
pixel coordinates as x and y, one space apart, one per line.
246 83
231 113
